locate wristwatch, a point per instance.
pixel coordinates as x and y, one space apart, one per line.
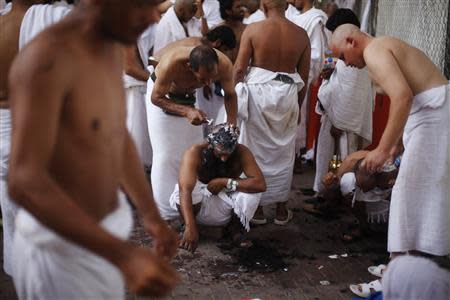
231 185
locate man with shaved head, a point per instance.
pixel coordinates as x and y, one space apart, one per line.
272 91
71 152
419 219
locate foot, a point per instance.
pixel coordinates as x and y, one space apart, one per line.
239 240
352 234
258 217
283 221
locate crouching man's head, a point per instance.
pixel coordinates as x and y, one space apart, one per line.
223 140
367 181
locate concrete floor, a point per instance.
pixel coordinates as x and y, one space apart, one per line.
290 262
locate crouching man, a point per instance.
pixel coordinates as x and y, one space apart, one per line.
217 178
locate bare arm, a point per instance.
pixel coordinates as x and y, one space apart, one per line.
226 80
245 54
254 183
186 182
133 65
385 71
303 70
135 184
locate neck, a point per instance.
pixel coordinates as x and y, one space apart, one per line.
233 22
20 6
306 7
365 39
274 13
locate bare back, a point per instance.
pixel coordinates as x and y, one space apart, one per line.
71 117
277 44
418 70
9 47
187 42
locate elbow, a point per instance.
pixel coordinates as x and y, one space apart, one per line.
261 186
155 100
20 185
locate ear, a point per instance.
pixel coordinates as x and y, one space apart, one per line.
216 44
351 41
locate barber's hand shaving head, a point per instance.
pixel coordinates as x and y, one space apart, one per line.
224 136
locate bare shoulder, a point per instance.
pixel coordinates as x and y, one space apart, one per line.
224 62
172 58
243 150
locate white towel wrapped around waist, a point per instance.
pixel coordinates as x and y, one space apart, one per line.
420 203
47 266
216 210
170 137
270 111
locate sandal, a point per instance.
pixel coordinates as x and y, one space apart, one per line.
255 221
377 270
364 290
284 222
315 206
353 234
239 240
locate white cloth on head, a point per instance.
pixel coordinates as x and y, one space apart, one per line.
348 100
47 266
170 137
170 30
8 207
269 110
420 205
415 277
39 17
216 210
291 12
257 16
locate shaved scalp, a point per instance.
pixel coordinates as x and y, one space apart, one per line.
275 4
183 3
341 34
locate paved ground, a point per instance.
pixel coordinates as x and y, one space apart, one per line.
290 262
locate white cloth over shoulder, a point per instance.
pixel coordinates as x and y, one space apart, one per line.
291 13
269 111
257 16
170 30
213 107
414 277
420 204
216 210
8 207
5 7
348 100
47 266
170 137
39 17
313 21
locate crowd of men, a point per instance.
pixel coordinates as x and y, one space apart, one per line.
198 110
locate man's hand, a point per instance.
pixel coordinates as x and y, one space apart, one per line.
146 274
165 240
189 241
335 132
196 116
330 180
216 185
199 13
375 160
326 73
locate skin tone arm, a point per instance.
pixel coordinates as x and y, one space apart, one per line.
162 88
244 55
227 83
187 180
201 14
384 70
134 183
303 71
133 65
32 186
254 183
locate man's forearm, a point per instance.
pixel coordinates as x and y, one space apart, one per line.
52 206
138 73
398 115
231 108
187 211
170 106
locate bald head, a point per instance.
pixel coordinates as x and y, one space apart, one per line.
342 33
185 9
274 4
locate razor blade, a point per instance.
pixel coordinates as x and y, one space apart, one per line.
209 121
